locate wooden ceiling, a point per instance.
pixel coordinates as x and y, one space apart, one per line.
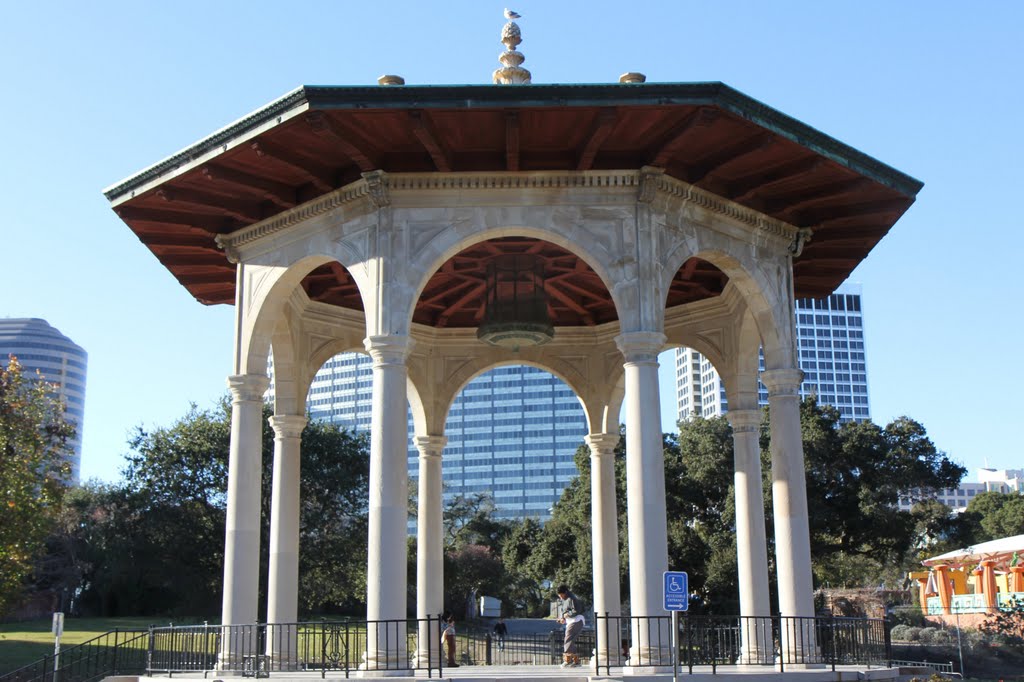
323 138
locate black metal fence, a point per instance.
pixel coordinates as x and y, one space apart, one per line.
259 650
776 641
119 652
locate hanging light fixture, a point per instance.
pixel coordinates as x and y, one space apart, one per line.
516 305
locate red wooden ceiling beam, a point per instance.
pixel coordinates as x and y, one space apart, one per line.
318 175
276 192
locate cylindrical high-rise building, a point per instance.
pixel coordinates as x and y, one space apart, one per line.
61 361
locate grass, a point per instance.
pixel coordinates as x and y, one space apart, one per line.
27 642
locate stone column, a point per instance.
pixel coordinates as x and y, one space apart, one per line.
242 523
604 528
751 544
429 550
283 573
388 514
645 500
789 502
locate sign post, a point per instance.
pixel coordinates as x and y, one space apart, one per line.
677 598
58 630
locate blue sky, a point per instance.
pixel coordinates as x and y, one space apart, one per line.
94 92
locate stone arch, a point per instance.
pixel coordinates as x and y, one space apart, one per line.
454 239
761 291
268 292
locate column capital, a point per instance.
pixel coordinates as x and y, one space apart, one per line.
782 381
641 346
602 444
390 349
288 425
430 446
744 421
248 387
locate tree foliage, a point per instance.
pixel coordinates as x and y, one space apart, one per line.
855 475
994 515
34 471
153 543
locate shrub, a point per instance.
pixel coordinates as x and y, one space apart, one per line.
935 636
899 632
911 634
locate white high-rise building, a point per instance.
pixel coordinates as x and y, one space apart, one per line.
830 338
989 481
512 431
60 361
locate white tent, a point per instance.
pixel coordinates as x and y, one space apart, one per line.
993 549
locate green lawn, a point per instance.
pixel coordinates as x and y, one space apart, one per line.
24 643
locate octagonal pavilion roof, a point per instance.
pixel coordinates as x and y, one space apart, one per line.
316 139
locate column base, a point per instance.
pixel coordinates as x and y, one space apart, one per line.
647 670
384 673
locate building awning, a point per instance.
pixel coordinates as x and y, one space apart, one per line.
1001 549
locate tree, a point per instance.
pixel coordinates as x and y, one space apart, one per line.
153 543
856 473
993 515
34 471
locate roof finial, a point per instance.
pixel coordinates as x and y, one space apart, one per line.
511 73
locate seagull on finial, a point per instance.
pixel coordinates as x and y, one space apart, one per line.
509 14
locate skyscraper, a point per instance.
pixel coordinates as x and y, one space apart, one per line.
830 339
38 346
511 432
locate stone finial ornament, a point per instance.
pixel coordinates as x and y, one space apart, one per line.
511 73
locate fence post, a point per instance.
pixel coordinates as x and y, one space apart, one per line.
487 649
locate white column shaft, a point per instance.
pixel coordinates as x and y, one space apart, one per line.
429 549
283 572
751 545
242 524
789 503
605 545
388 499
645 497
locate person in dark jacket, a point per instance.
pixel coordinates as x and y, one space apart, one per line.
570 612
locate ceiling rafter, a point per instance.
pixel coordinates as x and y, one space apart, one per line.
198 240
602 127
246 211
209 224
426 133
312 171
761 182
744 148
276 192
798 198
816 215
458 305
226 277
661 152
354 146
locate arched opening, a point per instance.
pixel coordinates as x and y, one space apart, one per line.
512 432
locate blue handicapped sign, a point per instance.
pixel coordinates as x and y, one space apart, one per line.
676 591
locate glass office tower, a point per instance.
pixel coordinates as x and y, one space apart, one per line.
830 341
512 431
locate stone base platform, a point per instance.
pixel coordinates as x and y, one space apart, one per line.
553 672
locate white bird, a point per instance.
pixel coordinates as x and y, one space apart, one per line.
509 14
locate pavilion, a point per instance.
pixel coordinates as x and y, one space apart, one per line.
653 215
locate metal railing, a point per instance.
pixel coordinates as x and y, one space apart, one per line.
346 646
116 652
776 641
260 649
946 668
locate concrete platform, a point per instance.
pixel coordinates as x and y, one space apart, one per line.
554 672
